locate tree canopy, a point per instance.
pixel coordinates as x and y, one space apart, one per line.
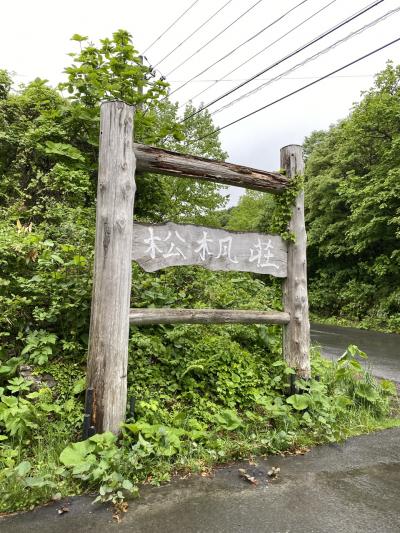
353 207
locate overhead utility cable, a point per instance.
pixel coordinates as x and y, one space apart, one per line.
288 56
308 59
240 45
194 32
231 80
260 52
217 130
171 26
215 37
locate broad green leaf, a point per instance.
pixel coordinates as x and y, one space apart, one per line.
388 386
228 419
79 38
104 438
367 391
74 454
39 482
299 401
127 485
65 150
23 468
342 401
79 386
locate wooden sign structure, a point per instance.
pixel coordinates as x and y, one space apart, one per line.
119 241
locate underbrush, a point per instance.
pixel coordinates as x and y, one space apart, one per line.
191 413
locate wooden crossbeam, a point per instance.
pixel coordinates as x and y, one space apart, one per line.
144 317
159 161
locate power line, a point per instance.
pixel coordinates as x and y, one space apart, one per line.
240 45
288 56
307 19
171 26
193 32
311 58
231 80
215 37
297 90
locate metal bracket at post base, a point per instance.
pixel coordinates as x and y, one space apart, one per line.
88 429
292 385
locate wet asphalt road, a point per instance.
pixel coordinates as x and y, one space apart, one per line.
383 349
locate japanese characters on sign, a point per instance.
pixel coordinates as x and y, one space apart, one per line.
160 246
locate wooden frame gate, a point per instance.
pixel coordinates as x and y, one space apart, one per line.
115 235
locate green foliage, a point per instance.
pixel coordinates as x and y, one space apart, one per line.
263 212
21 416
34 427
283 208
178 428
111 71
5 84
253 210
64 150
48 169
45 294
20 487
164 439
299 401
18 385
48 143
97 462
228 419
26 482
352 210
39 346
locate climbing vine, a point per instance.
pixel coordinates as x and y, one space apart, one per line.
283 208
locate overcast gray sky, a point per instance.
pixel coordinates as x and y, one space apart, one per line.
34 41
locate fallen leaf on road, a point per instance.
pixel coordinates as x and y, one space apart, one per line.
117 517
273 473
302 450
247 477
119 508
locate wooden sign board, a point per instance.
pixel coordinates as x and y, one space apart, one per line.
157 246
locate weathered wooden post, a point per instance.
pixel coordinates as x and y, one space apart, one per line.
109 324
296 334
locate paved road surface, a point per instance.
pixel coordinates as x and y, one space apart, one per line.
383 349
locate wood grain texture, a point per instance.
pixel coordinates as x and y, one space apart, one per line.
296 335
157 246
109 324
159 161
143 317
